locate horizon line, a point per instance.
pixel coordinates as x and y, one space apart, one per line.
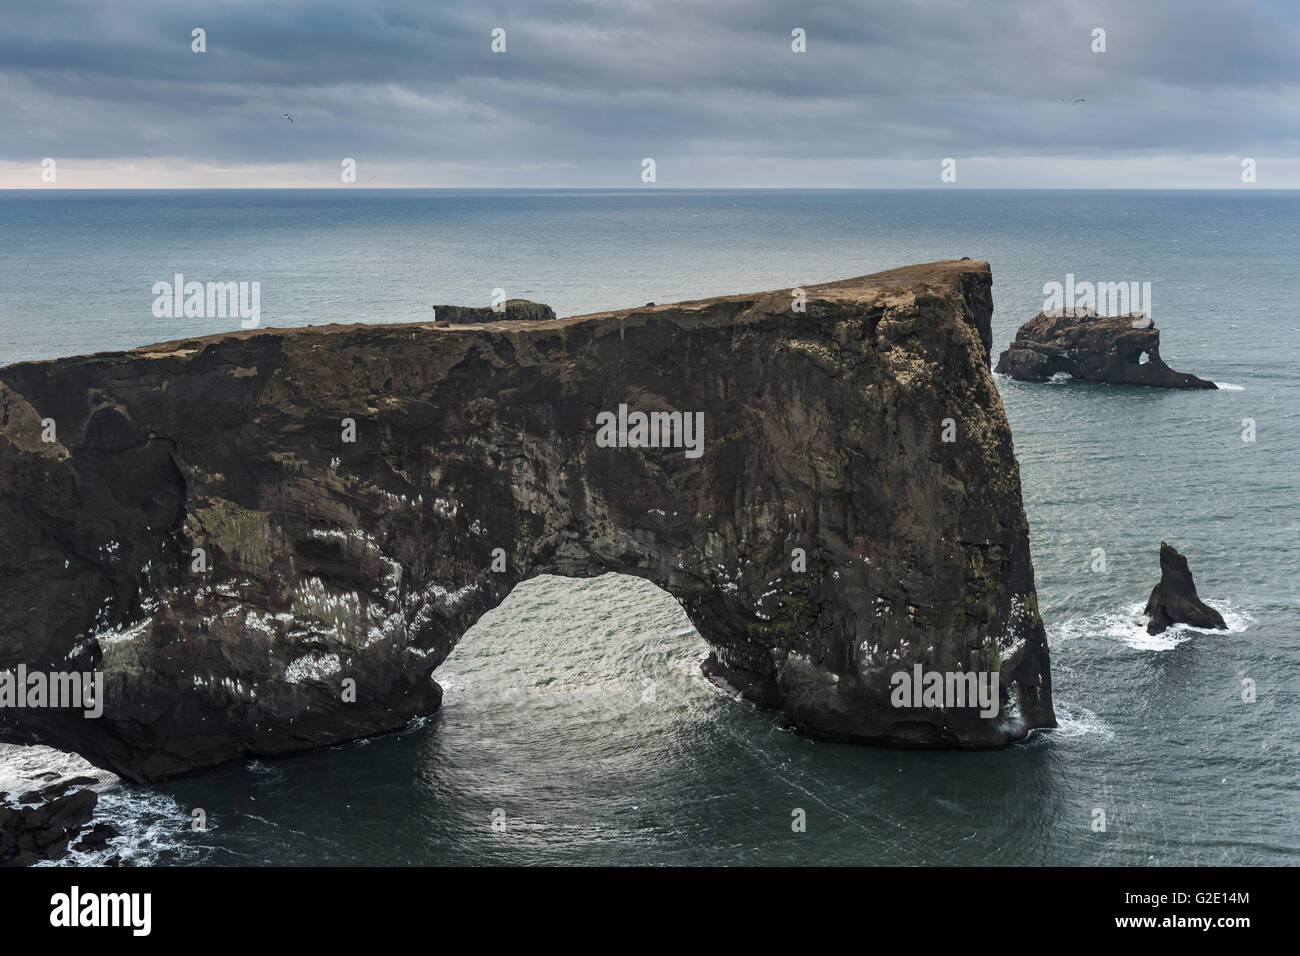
652 189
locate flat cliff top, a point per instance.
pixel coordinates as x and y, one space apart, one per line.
1063 323
893 287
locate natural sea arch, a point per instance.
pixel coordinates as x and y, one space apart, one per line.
361 495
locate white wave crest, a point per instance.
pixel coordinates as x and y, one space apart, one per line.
152 825
1079 722
1129 627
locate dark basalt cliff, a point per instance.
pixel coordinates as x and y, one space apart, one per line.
866 431
1174 600
1116 349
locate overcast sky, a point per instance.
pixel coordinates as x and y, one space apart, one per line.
710 89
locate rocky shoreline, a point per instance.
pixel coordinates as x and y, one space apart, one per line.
47 830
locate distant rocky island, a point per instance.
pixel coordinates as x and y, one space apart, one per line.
1115 349
268 540
512 310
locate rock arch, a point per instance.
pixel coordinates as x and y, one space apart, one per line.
331 560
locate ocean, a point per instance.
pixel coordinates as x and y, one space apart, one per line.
575 716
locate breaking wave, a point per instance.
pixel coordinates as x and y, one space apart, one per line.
1129 627
1079 722
152 825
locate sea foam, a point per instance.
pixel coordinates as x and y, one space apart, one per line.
1129 627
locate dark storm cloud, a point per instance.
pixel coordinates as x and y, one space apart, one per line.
412 82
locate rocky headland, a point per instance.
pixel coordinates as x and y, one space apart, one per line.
268 540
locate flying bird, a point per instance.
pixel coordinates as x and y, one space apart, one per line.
288 117
1075 102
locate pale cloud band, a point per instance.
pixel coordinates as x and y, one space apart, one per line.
1038 172
585 90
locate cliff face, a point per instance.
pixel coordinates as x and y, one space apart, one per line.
252 582
1115 349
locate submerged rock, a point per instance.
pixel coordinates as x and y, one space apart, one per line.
97 838
1174 599
516 310
268 540
45 794
1117 349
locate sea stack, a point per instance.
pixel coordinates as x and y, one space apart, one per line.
1115 349
1174 599
268 540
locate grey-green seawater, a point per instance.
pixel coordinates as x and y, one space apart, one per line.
577 709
